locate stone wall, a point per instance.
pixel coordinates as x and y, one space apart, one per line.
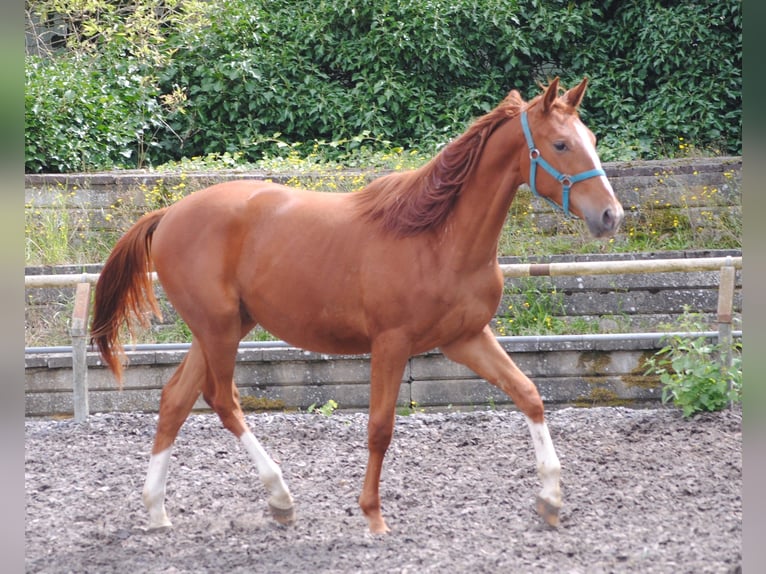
623 303
702 190
581 370
575 369
698 187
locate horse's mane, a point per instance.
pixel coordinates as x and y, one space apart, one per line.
407 203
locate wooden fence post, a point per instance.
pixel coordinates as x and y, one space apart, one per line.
79 332
725 307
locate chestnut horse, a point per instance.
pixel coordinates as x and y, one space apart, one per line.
403 266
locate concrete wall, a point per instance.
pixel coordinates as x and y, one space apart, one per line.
578 369
698 186
702 190
582 370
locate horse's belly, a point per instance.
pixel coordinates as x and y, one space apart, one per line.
315 327
319 338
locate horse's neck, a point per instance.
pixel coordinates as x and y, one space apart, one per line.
485 199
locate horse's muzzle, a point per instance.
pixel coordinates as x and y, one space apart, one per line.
607 223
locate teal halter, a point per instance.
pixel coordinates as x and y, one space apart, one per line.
566 180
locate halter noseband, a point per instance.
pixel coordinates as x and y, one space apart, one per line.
566 180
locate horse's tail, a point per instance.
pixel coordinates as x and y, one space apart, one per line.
124 291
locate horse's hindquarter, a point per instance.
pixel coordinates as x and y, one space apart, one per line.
299 270
281 255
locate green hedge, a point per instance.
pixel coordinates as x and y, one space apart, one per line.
79 118
411 73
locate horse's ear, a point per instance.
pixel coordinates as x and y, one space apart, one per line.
550 95
513 98
574 96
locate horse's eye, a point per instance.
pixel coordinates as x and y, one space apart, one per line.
560 146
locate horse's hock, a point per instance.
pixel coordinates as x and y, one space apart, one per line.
579 370
583 370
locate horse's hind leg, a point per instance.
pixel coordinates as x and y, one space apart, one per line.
484 355
178 398
222 395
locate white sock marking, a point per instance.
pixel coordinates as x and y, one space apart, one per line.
154 489
548 465
269 471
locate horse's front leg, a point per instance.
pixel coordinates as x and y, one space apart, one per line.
484 355
389 357
549 471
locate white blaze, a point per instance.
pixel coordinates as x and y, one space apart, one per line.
584 135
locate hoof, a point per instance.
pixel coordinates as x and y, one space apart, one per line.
158 529
548 511
378 531
284 516
378 527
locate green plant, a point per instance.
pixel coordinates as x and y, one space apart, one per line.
175 332
134 84
645 94
61 231
213 161
162 194
410 409
326 409
415 73
259 334
86 113
47 324
251 403
693 375
92 99
47 232
534 307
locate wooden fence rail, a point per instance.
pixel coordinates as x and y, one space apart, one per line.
509 270
727 266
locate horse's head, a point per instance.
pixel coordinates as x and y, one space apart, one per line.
563 166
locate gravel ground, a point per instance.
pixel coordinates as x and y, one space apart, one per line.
644 491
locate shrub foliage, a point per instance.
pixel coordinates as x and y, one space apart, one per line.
248 76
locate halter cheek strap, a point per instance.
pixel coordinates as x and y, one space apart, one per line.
566 180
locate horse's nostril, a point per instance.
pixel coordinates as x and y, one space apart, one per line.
611 218
608 218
